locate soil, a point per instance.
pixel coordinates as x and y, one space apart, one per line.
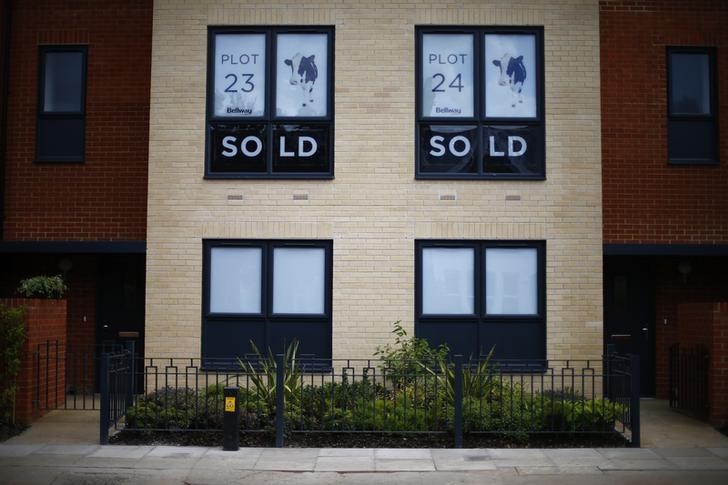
369 440
7 431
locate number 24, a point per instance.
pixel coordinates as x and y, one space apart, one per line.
247 87
456 83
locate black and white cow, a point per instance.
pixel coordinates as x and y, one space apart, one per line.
303 73
513 74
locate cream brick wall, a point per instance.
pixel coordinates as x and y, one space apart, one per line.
374 209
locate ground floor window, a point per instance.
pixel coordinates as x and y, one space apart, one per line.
268 293
476 295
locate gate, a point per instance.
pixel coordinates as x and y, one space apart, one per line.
688 379
66 378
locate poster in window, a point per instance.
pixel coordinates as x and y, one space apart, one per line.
301 75
239 75
447 75
510 76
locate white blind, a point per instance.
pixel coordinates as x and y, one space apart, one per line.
298 280
235 280
447 281
511 284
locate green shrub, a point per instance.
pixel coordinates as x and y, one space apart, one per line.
43 287
404 360
178 408
12 337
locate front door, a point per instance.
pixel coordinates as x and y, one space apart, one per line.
629 315
120 302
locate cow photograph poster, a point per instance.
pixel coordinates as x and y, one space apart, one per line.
301 75
510 76
240 75
447 75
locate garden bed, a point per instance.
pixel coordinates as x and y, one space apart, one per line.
371 440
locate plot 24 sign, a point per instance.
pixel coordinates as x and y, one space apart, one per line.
480 103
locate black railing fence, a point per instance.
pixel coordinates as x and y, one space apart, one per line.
688 376
67 377
305 395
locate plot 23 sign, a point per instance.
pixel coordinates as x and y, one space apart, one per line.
480 103
270 103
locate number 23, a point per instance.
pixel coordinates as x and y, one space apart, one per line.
247 86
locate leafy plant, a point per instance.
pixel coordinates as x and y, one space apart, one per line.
43 287
262 372
12 337
404 359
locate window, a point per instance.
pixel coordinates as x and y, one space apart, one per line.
692 136
267 292
270 102
480 103
473 295
61 125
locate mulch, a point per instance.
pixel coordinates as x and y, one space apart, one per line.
369 440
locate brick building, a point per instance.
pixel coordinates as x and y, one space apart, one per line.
665 203
389 224
203 175
75 111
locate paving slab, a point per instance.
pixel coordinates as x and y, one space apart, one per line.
120 451
402 454
345 464
699 462
354 452
519 457
404 465
628 453
177 451
558 470
62 427
663 427
637 464
287 459
67 449
587 457
19 450
471 459
682 452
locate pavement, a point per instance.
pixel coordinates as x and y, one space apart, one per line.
61 449
115 464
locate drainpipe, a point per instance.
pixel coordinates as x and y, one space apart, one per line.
6 15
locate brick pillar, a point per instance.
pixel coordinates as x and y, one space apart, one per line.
719 366
45 321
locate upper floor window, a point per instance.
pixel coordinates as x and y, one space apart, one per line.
61 124
270 102
692 136
480 103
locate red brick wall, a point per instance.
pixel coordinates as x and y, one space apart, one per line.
45 321
704 284
644 199
719 366
105 197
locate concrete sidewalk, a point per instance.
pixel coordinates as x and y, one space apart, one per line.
92 464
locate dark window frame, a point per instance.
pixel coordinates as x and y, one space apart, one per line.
712 117
479 118
480 318
62 115
267 317
269 118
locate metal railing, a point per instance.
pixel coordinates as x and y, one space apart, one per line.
689 369
376 396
